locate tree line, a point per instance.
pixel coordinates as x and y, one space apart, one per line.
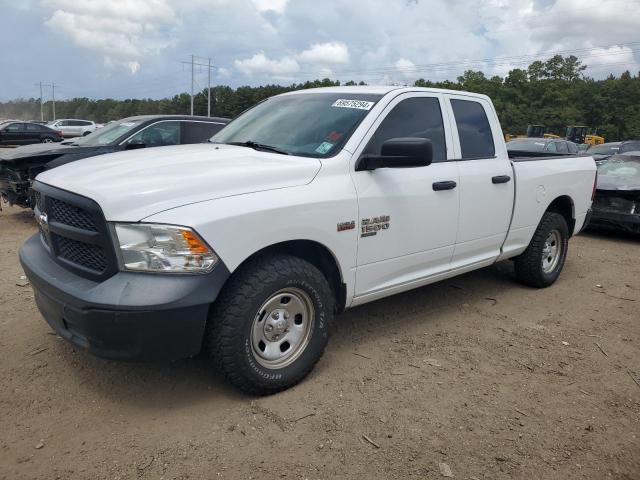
554 93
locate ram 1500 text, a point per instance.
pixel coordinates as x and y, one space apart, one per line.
309 203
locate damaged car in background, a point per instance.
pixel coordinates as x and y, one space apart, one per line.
617 199
20 166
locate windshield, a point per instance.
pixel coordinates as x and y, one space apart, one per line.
529 145
307 124
622 166
109 134
603 149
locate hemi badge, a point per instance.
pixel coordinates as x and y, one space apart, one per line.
342 226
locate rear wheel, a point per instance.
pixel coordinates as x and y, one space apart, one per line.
270 324
47 140
541 263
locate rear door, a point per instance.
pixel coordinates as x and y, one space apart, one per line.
486 181
32 133
407 224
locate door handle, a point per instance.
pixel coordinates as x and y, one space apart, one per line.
500 179
446 185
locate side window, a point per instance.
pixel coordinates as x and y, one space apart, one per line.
476 139
414 117
562 147
32 127
573 148
551 147
198 132
14 127
158 134
63 123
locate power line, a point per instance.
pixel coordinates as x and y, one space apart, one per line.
496 61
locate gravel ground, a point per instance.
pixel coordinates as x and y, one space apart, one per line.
476 377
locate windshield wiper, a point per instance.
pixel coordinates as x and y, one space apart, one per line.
259 146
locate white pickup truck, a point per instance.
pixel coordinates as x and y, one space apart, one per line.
309 203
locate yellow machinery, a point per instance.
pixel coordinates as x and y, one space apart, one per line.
580 134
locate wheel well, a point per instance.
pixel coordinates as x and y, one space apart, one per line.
319 256
564 206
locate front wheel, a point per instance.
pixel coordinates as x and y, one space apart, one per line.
270 324
541 263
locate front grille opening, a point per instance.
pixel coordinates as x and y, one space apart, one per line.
83 254
68 214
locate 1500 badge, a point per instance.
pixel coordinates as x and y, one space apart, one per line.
371 226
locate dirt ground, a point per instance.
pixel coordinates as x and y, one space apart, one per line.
478 374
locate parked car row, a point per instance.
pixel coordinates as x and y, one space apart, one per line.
20 166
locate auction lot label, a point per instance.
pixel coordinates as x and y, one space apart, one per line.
345 103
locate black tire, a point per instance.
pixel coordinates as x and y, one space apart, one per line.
47 140
85 134
530 265
229 340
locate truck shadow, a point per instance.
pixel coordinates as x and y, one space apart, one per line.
611 234
190 382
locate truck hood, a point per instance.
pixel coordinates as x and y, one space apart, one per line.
130 186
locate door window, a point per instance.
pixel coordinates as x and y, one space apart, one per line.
414 117
158 134
562 147
32 127
14 127
198 132
551 147
476 138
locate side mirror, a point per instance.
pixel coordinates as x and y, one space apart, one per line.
399 153
135 144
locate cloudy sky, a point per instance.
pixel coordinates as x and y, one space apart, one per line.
135 48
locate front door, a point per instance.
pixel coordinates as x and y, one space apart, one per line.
408 217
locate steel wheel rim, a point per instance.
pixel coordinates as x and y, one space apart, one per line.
551 251
282 327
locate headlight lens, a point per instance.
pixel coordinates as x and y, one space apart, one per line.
163 248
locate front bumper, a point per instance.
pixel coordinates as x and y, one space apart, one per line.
129 316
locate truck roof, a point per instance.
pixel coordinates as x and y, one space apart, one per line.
383 90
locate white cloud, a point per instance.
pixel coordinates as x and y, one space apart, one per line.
122 31
406 68
325 53
261 64
277 6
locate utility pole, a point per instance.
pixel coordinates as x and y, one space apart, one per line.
209 67
41 104
192 64
53 99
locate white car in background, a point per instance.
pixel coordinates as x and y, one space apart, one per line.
71 127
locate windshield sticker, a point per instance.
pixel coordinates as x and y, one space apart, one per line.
359 104
333 137
324 147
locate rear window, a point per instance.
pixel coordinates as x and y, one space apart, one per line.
476 139
199 132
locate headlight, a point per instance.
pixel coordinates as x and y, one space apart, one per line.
162 248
